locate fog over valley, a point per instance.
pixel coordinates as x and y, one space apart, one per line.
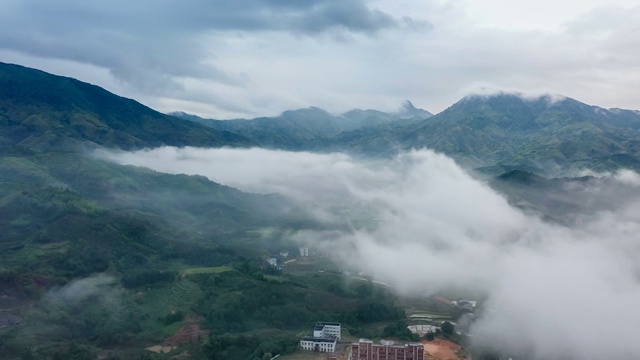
437 227
319 180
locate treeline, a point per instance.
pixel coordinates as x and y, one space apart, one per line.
235 302
240 346
147 277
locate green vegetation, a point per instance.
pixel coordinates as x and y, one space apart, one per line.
300 129
54 113
506 132
98 259
107 257
206 270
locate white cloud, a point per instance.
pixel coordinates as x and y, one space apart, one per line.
557 292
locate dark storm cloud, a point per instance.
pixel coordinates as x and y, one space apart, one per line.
148 42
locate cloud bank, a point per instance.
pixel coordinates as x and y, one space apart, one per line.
555 292
248 58
151 45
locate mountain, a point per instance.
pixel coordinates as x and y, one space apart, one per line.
507 131
545 135
100 260
301 129
43 111
409 111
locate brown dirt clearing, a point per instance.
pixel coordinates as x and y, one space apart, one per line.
441 349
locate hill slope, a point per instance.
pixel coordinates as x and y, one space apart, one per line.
44 111
543 135
303 129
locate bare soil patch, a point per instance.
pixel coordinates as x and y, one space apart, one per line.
441 349
160 349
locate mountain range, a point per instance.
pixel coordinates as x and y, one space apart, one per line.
493 134
546 135
301 129
181 250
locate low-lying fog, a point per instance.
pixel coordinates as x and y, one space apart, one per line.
556 292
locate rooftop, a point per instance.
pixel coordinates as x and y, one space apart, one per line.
319 339
323 323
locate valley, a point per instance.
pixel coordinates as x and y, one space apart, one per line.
130 234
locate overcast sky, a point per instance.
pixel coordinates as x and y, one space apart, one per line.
245 58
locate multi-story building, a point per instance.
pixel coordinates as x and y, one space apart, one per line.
324 339
327 329
367 350
319 344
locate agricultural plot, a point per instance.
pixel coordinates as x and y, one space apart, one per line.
206 270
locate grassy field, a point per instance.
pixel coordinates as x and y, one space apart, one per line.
206 270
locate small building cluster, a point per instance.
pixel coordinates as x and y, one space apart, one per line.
304 251
423 329
425 323
324 339
367 350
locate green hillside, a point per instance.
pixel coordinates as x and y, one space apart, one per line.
311 128
48 112
542 135
99 260
103 258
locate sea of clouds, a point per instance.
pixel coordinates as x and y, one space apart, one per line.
554 291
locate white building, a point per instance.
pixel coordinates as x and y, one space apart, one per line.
327 329
304 251
272 261
423 329
319 344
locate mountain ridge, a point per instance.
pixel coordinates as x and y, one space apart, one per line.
41 110
550 135
482 131
297 129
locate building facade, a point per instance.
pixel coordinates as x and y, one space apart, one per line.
327 329
319 344
367 350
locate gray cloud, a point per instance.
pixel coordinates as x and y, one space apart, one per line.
148 44
227 59
552 291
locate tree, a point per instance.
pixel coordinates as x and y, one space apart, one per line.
447 328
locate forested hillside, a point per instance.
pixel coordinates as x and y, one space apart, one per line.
48 112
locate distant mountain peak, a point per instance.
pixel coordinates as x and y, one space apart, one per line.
308 111
407 110
408 105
